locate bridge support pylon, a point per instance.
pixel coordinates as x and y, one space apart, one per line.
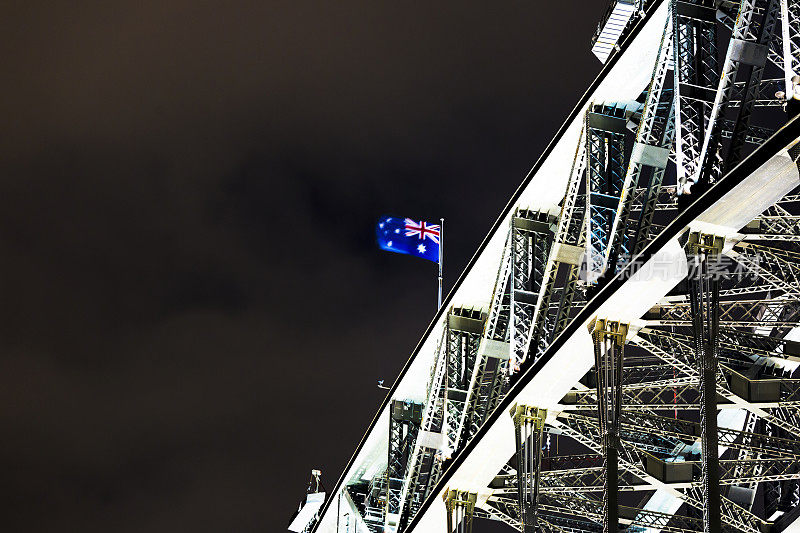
529 429
460 506
704 252
609 343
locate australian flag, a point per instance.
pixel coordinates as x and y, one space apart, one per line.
407 236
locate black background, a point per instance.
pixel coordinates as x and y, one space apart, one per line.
194 313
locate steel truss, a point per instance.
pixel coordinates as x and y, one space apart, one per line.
425 462
605 180
532 236
591 479
569 236
649 159
464 329
696 69
404 424
706 408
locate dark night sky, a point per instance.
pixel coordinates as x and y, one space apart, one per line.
194 312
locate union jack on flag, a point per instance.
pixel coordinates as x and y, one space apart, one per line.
422 230
408 236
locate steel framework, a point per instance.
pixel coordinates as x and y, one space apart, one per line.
528 430
666 220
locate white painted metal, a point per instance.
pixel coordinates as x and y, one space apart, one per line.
612 29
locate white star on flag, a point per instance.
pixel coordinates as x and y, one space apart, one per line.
421 248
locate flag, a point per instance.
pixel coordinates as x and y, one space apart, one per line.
407 236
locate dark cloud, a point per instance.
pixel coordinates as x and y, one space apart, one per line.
194 313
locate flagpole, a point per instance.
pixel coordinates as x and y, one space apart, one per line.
441 258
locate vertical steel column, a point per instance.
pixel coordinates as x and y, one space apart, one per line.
754 57
741 51
460 507
528 429
606 126
532 234
464 330
696 79
772 489
562 314
703 252
609 342
405 418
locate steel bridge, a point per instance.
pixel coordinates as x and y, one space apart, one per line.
622 351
